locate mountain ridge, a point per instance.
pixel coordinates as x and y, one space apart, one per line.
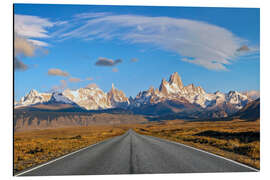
171 95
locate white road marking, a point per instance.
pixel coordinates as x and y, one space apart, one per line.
49 162
141 135
246 166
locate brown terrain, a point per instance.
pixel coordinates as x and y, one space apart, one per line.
237 139
25 120
40 136
38 146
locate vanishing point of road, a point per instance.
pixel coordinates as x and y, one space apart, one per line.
132 153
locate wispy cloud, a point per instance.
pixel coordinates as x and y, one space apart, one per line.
107 62
32 28
200 43
28 32
74 80
207 45
57 72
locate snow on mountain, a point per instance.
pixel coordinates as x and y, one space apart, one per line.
33 97
59 98
90 98
252 94
117 98
175 90
171 93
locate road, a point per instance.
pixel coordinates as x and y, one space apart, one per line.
132 153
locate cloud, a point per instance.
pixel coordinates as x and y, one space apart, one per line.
107 62
31 26
115 70
27 29
74 80
243 48
23 47
57 72
204 44
90 86
19 65
134 60
38 43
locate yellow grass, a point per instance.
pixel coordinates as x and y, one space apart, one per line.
232 148
38 146
35 147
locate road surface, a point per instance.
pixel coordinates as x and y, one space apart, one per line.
132 153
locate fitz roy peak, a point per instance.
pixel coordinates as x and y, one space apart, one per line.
170 94
174 91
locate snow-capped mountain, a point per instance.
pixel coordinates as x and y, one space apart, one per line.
174 90
59 98
89 98
171 97
117 98
33 97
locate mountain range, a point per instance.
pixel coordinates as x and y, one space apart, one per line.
172 97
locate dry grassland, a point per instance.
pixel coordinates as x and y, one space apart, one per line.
237 140
38 146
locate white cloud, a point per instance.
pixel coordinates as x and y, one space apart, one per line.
31 26
200 43
38 43
28 30
196 42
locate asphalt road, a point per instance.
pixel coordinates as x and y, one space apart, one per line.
133 153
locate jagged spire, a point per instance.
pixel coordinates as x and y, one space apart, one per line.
113 86
175 79
162 87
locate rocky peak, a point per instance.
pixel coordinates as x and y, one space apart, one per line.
33 97
163 87
151 90
33 92
200 90
117 97
60 98
176 80
113 86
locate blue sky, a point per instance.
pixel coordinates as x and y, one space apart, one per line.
134 47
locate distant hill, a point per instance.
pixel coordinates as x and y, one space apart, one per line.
29 119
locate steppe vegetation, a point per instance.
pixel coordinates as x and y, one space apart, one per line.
38 146
238 140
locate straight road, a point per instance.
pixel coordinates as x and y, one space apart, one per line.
132 153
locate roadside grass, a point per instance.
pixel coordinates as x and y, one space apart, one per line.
39 146
237 140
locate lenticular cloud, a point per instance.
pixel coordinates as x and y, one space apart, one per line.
196 42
